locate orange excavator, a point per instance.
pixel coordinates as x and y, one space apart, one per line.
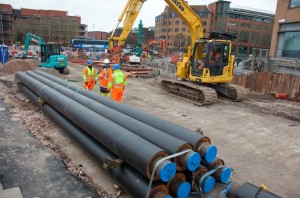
162 43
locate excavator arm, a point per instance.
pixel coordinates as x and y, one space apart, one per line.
131 10
162 42
194 24
31 37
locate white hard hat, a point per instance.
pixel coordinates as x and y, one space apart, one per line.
106 61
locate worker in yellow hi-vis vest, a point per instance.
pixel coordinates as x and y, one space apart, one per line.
89 76
117 83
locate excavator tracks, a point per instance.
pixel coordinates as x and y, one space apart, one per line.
231 91
189 91
200 94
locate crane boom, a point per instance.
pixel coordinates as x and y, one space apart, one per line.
131 10
185 12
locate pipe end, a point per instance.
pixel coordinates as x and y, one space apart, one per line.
193 161
208 184
211 153
183 190
225 174
167 171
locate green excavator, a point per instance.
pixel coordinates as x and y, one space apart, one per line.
51 56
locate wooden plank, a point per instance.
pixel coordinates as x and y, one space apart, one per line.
269 83
263 78
275 83
296 86
249 81
255 82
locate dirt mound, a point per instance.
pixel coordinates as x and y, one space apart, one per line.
13 66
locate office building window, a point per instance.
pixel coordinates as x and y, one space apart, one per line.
291 45
245 25
244 36
234 16
294 3
257 19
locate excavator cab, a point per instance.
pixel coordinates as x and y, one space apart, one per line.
52 58
214 58
211 60
49 49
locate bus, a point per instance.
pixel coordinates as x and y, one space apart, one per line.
89 45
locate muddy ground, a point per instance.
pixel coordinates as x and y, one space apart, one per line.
259 137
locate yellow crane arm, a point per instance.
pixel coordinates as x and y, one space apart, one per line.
131 10
187 14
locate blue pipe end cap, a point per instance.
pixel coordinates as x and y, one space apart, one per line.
208 184
225 174
211 153
193 161
169 196
184 190
167 171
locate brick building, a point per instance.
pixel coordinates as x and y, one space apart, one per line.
97 35
169 26
51 25
286 32
252 27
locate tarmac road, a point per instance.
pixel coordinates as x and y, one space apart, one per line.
25 163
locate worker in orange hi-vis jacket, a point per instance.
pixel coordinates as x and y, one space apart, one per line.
89 76
117 83
104 78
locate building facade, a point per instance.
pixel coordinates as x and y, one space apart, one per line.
253 28
170 27
51 25
97 35
286 32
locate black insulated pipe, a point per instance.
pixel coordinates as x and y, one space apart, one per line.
248 190
207 152
171 144
136 151
124 174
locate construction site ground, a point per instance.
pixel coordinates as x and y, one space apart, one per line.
259 137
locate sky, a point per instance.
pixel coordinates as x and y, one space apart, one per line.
102 15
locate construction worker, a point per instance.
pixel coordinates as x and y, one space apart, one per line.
117 83
104 78
89 76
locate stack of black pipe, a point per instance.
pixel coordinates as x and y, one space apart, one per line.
110 131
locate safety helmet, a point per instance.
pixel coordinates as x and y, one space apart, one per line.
106 61
116 66
89 62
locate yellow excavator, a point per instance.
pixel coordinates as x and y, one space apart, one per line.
205 68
